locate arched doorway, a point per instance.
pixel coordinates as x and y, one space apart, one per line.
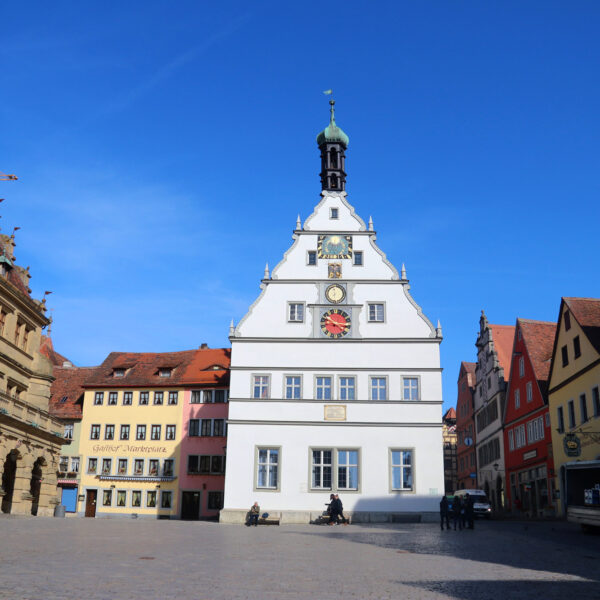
8 480
36 484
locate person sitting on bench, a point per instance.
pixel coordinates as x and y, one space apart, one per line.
254 512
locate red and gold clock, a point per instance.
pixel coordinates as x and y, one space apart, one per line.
335 323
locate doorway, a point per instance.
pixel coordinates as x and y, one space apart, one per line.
190 506
90 503
35 485
8 480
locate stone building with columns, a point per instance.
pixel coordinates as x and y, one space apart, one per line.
30 438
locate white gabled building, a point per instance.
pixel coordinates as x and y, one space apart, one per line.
335 377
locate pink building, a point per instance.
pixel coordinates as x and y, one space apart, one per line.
204 434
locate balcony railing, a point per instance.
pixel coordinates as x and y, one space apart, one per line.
29 414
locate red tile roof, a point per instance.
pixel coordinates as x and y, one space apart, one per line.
47 349
503 337
68 385
587 313
450 414
538 337
189 367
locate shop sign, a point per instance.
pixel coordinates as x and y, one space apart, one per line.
473 475
529 455
335 412
572 445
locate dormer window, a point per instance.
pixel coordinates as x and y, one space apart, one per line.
334 213
63 399
165 372
119 372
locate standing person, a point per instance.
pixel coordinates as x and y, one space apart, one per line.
444 513
254 512
456 513
469 511
332 510
340 510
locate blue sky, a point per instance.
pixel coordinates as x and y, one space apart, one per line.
164 150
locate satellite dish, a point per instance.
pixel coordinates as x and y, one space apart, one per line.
468 441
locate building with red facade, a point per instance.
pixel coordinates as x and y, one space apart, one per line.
465 427
527 435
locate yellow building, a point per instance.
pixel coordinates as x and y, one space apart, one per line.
574 405
30 438
130 435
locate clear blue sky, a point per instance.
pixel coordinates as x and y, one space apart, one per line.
164 150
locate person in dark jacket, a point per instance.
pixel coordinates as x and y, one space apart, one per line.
457 507
340 510
444 513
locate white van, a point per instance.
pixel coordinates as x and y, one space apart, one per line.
481 504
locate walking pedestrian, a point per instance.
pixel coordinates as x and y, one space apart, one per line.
457 516
340 509
444 513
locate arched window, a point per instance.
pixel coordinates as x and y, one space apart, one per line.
333 158
334 182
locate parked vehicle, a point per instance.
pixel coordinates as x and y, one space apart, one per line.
481 504
582 493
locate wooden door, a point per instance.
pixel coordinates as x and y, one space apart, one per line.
190 506
90 503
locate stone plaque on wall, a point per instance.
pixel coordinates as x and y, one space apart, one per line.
335 412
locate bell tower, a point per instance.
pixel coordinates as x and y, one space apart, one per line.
333 142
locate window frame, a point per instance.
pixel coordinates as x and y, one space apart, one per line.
138 428
596 400
93 428
529 392
517 397
155 432
89 460
571 412
69 431
127 398
334 213
521 366
345 388
125 427
158 398
576 347
173 394
310 253
144 398
293 387
98 398
277 487
560 416
362 258
253 378
215 493
418 378
296 303
385 378
376 303
170 432
391 465
584 415
322 465
564 355
164 494
316 387
109 431
113 399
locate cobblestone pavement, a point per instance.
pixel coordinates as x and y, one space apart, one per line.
97 559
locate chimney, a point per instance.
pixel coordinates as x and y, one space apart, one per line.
204 346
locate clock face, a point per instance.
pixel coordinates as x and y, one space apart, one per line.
334 246
335 294
335 323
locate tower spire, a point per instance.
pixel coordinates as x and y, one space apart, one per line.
333 143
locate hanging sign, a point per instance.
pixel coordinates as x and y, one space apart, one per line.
572 445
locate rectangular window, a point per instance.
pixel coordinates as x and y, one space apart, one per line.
207 396
217 465
155 432
267 475
170 432
567 320
122 466
529 390
193 467
140 432
151 499
136 498
112 398
107 498
218 427
596 401
517 398
511 441
519 439
95 432
98 398
334 213
138 466
376 313
92 465
127 398
106 466
347 461
121 498
571 414
75 464
565 356
402 470
206 427
311 258
2 321
173 397
158 398
220 396
521 366
358 258
215 501
260 386
124 432
296 312
118 372
109 432
165 372
168 466
321 469
410 388
583 408
153 467
347 388
204 464
292 387
561 419
576 347
144 398
323 388
63 464
196 397
194 428
69 428
166 499
378 388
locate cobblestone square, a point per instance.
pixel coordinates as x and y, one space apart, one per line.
101 559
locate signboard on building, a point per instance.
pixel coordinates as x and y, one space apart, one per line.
335 412
572 445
